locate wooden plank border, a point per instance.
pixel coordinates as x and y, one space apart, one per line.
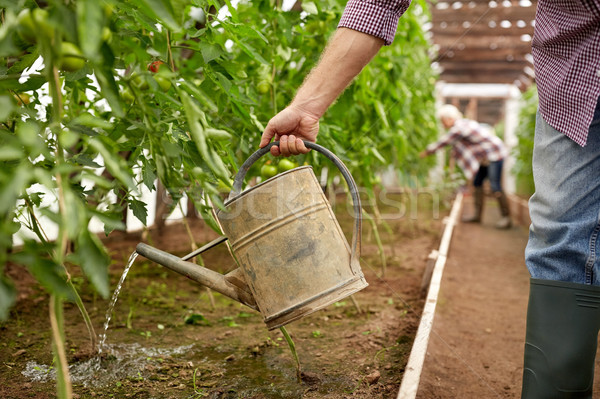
412 373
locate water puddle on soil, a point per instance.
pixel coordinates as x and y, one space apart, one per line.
211 369
126 361
119 362
113 301
272 373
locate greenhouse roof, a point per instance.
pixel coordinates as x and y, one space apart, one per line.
482 41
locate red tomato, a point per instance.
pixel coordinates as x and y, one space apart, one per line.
154 66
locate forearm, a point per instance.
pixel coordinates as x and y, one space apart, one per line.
345 56
446 140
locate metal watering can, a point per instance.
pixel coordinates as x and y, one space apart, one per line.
292 255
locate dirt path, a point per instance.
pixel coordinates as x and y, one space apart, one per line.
476 346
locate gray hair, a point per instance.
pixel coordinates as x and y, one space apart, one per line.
449 111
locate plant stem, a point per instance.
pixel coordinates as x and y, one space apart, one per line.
378 241
292 346
63 380
86 317
169 52
41 234
355 303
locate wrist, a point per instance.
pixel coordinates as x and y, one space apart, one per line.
310 106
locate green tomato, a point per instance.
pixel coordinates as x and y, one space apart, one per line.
40 19
268 171
106 34
164 83
127 96
26 27
286 164
71 58
139 81
263 87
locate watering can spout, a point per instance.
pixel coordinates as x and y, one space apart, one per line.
231 285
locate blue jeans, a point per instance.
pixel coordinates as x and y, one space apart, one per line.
494 172
564 236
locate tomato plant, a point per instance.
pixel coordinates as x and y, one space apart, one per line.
523 152
128 93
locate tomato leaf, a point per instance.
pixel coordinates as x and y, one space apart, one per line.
139 209
163 11
89 28
94 261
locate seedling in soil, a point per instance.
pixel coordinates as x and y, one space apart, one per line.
198 392
129 318
197 319
294 353
229 321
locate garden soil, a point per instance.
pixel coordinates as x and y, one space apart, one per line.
167 339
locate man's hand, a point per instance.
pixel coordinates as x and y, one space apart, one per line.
345 56
290 127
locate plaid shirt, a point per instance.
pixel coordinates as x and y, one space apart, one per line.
566 53
378 18
472 146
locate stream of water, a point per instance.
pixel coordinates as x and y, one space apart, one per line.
113 301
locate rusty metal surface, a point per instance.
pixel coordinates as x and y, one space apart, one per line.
290 246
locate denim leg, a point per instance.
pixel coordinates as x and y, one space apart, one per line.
495 175
565 209
480 176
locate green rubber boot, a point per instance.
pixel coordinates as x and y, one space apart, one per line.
563 320
478 204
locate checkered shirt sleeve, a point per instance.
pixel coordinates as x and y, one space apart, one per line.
378 18
450 138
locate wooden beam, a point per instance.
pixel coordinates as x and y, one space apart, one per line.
466 3
480 41
482 54
457 30
484 65
483 13
497 77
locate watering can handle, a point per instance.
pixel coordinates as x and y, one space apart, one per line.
239 180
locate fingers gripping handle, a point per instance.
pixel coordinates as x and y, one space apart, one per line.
239 180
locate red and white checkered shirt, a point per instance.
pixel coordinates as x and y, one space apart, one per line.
378 18
566 54
472 146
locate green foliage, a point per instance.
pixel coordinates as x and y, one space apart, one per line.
80 143
388 115
524 150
